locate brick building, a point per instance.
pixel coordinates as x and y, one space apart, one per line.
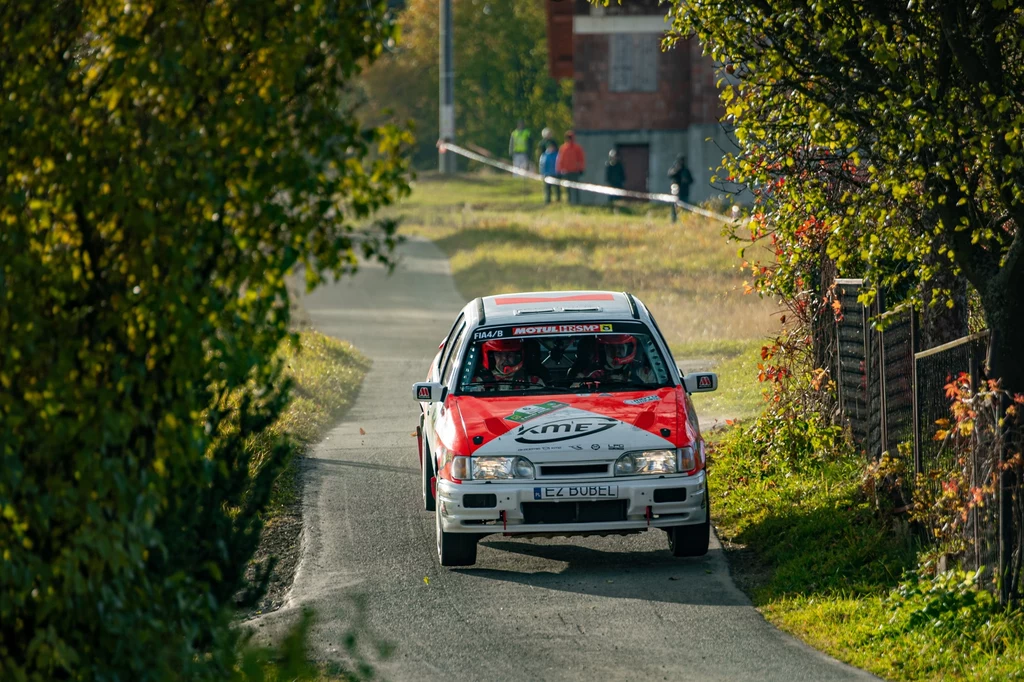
630 95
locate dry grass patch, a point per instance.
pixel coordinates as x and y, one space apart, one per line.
501 238
326 375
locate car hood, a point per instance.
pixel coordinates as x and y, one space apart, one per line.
580 426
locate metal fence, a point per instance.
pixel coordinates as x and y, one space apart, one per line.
938 459
935 368
893 399
875 371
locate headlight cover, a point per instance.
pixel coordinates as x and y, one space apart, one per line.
497 468
648 462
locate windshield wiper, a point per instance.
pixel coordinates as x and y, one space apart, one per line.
633 386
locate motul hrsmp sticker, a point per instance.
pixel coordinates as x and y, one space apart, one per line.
561 329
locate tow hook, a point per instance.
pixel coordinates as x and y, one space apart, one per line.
504 519
648 515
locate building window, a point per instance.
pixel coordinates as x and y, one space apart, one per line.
633 60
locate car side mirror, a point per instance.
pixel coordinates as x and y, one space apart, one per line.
700 382
428 391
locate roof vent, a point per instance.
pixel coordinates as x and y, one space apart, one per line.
534 311
590 309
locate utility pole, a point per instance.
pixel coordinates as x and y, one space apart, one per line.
446 129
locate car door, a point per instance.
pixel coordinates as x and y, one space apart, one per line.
449 357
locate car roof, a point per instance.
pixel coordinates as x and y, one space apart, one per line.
556 306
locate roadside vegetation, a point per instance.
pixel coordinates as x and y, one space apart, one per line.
500 237
165 167
325 376
879 142
820 559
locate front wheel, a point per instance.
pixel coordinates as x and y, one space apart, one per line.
454 549
684 541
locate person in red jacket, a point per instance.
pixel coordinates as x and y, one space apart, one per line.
570 164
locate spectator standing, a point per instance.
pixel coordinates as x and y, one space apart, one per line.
519 146
681 179
570 164
545 137
614 173
548 165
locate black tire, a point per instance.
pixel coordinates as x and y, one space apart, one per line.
693 540
426 473
455 549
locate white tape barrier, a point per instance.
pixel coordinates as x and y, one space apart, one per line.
597 189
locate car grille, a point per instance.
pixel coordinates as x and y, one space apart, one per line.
575 512
570 470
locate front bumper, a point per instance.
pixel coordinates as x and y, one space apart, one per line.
507 515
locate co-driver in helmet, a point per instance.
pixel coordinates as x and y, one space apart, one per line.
616 361
502 366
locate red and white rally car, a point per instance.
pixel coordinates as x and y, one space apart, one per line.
560 413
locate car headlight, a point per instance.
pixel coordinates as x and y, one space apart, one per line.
647 462
491 468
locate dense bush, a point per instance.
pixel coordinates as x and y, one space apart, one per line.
163 166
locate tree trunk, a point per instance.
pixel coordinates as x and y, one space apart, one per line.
940 323
1004 312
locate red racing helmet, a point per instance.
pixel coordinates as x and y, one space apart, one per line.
502 346
622 346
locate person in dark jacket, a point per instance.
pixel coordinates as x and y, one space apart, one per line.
681 179
614 173
545 137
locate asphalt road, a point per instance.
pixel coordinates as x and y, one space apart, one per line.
544 609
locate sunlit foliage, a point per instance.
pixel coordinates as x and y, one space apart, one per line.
886 134
163 165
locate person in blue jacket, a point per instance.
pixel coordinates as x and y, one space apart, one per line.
547 169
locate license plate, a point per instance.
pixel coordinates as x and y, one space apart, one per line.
571 492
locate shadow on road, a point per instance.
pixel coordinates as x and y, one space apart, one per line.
317 462
646 575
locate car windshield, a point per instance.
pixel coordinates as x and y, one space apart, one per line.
582 358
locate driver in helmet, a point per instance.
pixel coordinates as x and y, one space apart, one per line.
616 361
501 366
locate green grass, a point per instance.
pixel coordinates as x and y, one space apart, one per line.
327 374
500 238
739 395
822 564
